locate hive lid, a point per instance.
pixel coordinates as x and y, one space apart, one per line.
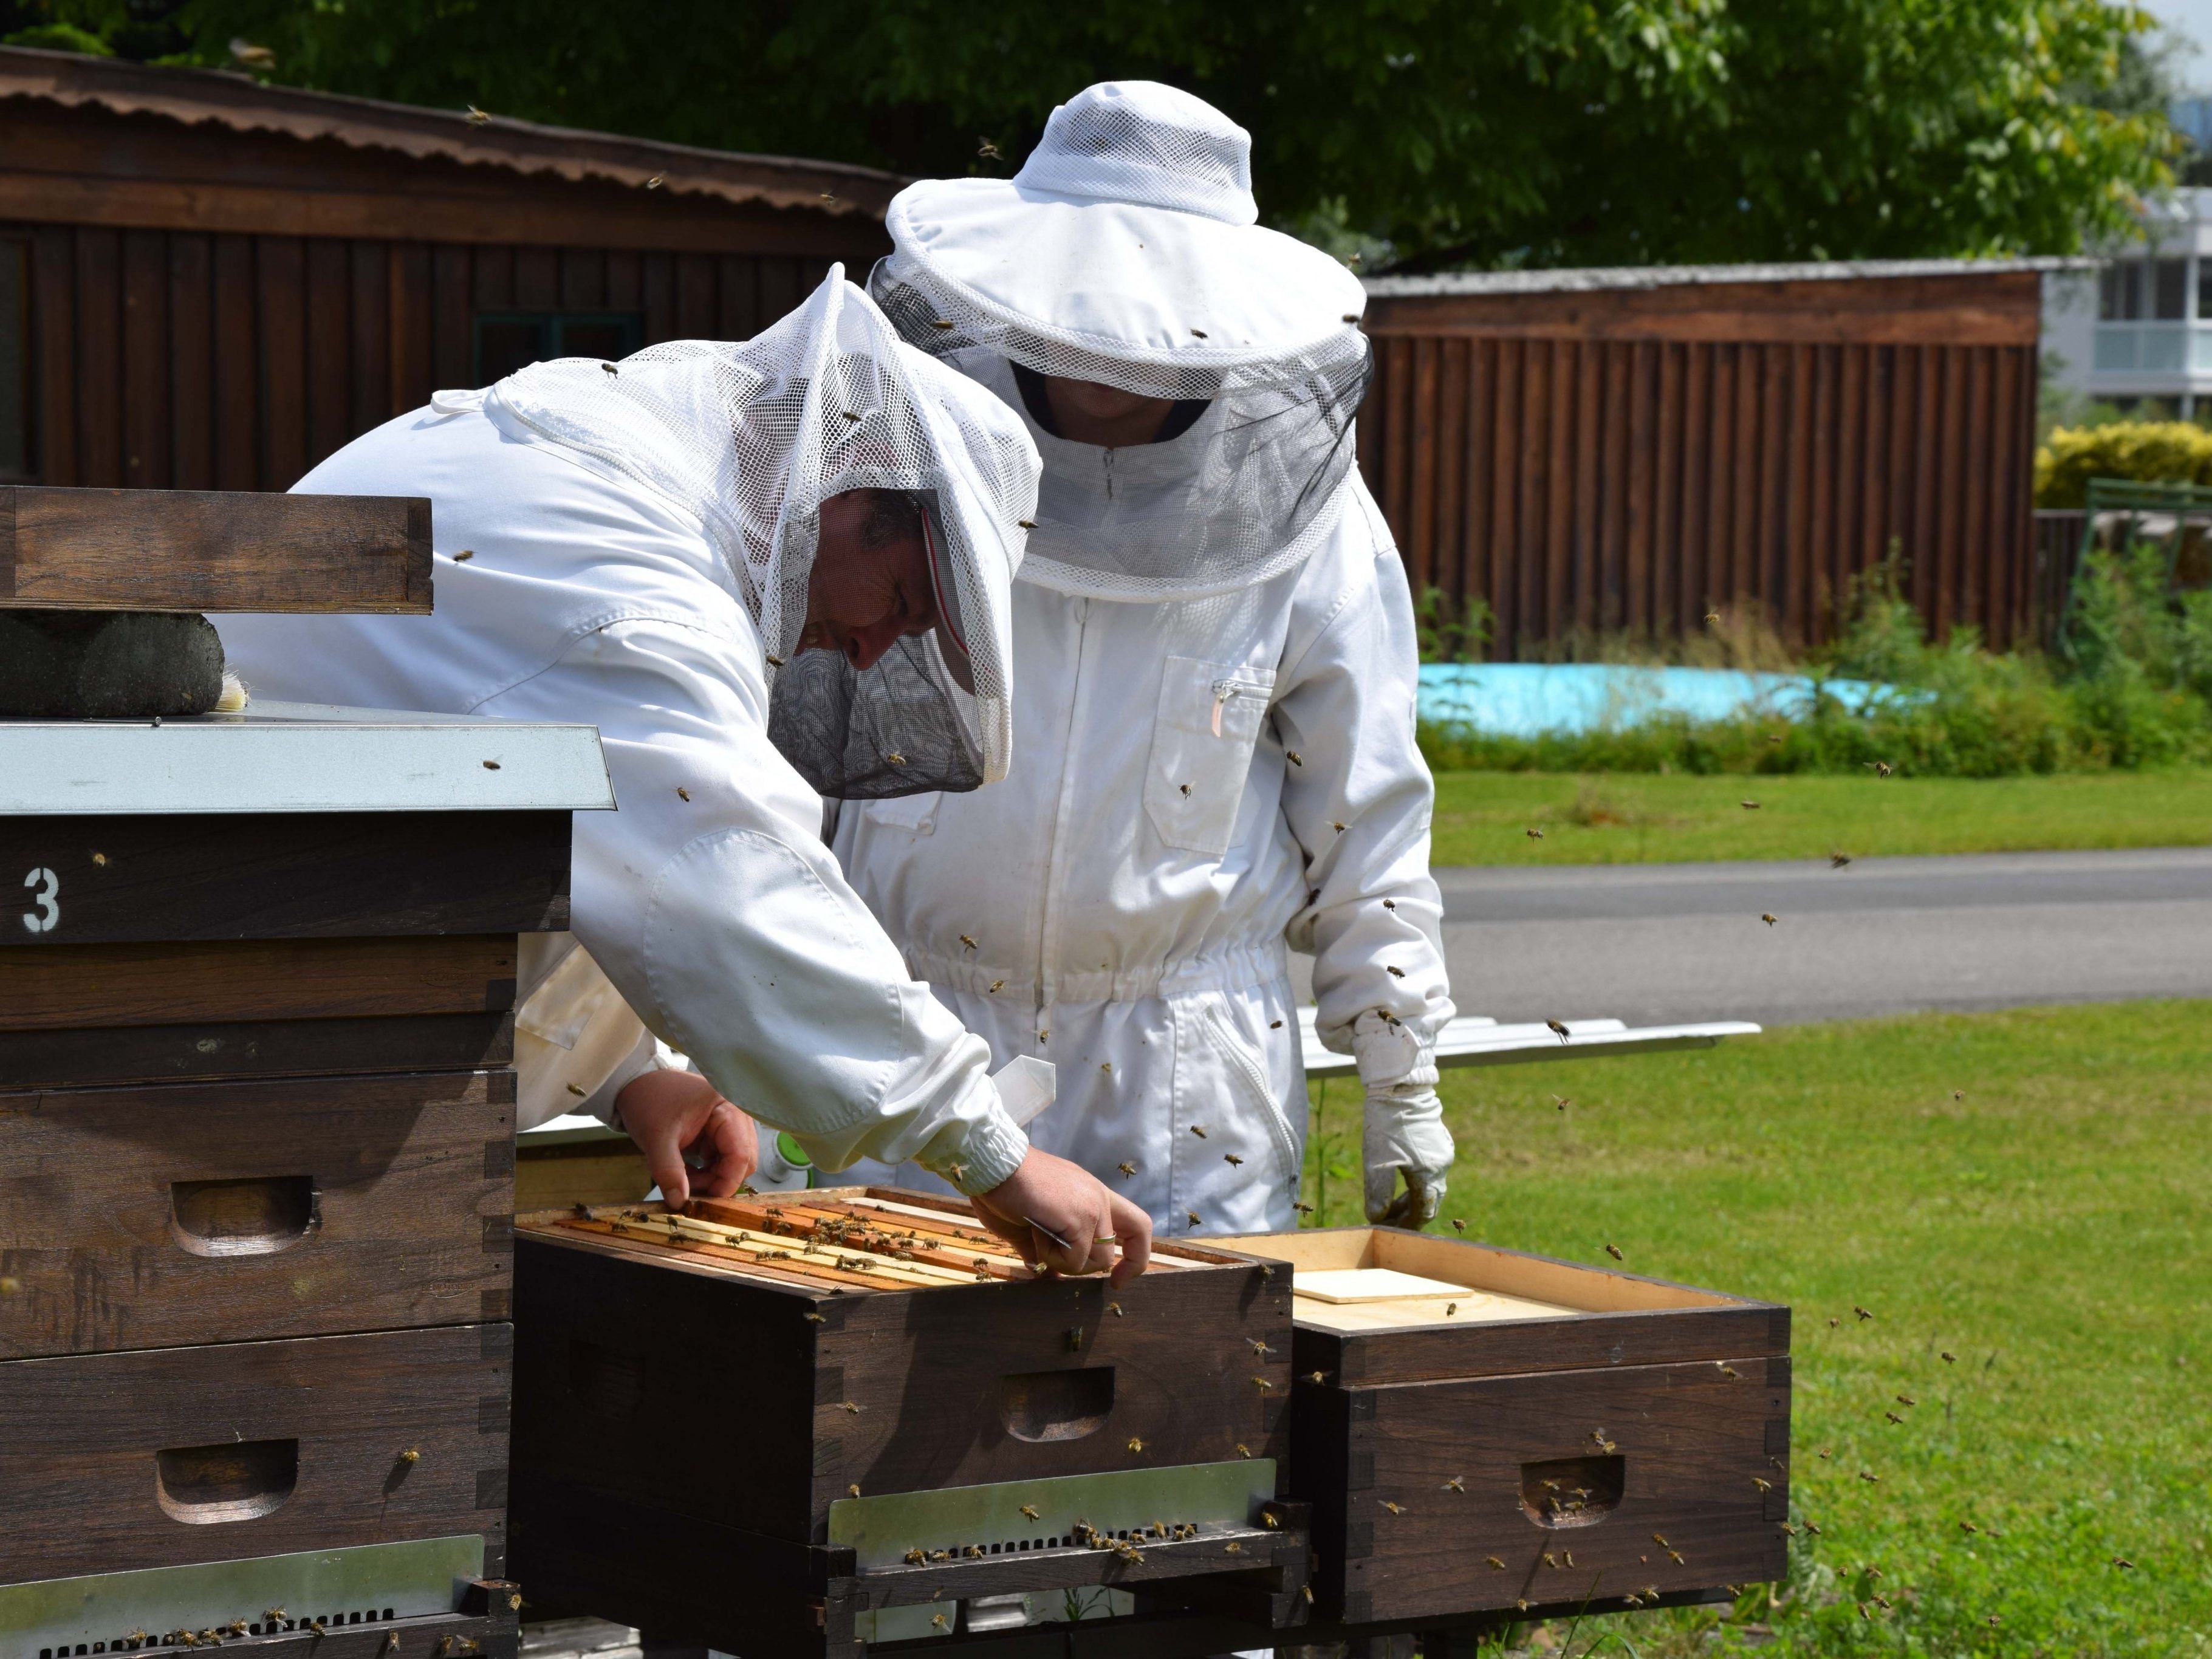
300 758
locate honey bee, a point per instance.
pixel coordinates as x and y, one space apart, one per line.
854 1489
1660 1539
1457 1483
1274 1025
1712 619
491 766
1563 1101
1267 1517
1198 1130
1535 835
1556 1029
1030 1509
773 661
1308 1588
1814 1528
1950 1358
1194 1221
1521 1602
1258 1346
682 791
655 182
1496 1565
1824 1453
1883 768
1395 972
1450 1308
610 368
827 197
937 1619
1234 1548
412 1455
1762 1483
1769 917
987 150
1839 860
1184 788
1266 1387
1394 1508
1199 332
1127 1168
2123 1564
815 1318
1751 806
1614 1250
1869 1474
1389 904
850 1405
1787 1527
1458 1226
1335 825
1860 1311
968 941
101 858
1135 1444
1114 1308
1294 757
916 1558
1893 1417
477 116
273 1616
1676 1557
1550 1560
1958 1094
1727 1369
1243 1450
997 986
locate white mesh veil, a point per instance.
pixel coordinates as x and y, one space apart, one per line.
753 438
1125 250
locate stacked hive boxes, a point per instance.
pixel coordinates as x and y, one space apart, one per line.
256 1118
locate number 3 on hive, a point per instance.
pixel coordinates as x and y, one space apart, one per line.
45 887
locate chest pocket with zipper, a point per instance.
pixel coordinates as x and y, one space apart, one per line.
1209 720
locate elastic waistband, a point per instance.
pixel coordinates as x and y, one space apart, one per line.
1230 968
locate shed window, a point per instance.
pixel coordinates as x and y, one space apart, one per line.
2120 291
14 360
508 340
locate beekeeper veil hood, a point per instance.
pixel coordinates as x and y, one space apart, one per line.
753 438
1127 251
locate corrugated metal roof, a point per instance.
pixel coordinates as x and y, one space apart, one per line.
219 98
1648 277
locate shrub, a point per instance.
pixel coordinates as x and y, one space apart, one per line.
2148 452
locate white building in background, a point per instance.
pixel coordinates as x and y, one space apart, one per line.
2136 332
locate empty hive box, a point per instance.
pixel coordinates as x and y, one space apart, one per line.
1477 1430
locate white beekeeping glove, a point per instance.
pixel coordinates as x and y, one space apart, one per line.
1405 1132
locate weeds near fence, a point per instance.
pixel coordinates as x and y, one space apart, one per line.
2136 691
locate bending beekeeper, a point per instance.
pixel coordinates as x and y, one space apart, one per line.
767 572
1215 756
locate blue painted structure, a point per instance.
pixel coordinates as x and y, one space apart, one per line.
1526 699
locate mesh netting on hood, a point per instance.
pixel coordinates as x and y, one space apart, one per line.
753 438
1125 252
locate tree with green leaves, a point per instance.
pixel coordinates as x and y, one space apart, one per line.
1439 133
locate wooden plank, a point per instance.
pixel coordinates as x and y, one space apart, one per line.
1470 389
191 346
1797 563
1771 490
98 358
1397 391
696 316
738 293
491 276
117 1448
71 986
114 549
1559 515
1927 480
330 339
326 875
146 327
1616 464
1689 1454
1969 308
1753 437
237 414
1641 437
625 282
369 349
1664 549
537 279
1530 383
1591 478
53 314
781 288
1852 482
2012 551
453 345
584 1172
413 346
1977 417
1420 544
195 1213
1694 536
658 288
583 279
281 283
202 1051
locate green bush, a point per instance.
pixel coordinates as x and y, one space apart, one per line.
2135 694
2146 452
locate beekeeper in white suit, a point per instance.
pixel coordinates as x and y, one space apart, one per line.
1215 761
763 571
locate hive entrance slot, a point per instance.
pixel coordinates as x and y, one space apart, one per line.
257 1216
1037 1405
1572 1492
238 1480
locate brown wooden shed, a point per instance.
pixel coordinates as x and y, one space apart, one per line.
206 283
1600 451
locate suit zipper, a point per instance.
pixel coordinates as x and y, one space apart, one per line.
1048 924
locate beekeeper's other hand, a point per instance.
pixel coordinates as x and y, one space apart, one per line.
1406 1135
1059 1215
676 1116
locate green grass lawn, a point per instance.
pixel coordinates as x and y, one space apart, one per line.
2049 1228
1628 818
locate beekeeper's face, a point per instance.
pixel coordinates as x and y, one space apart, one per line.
871 585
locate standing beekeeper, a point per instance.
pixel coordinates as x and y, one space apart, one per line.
1215 756
764 570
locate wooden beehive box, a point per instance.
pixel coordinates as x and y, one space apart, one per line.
256 1114
1525 1433
905 1421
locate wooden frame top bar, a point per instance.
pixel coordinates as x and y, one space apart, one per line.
189 550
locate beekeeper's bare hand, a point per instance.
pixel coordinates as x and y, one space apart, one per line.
1050 1195
693 1139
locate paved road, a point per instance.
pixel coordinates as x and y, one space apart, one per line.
1649 942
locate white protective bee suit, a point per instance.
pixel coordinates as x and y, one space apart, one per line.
629 545
1216 758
